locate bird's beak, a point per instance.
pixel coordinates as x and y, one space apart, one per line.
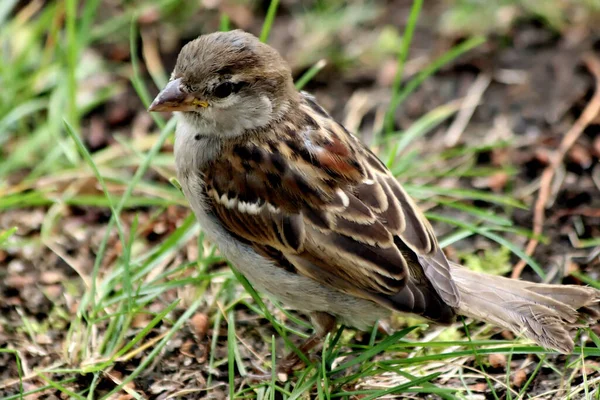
171 98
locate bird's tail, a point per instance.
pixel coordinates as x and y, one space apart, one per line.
546 314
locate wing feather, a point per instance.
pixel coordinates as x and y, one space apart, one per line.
321 203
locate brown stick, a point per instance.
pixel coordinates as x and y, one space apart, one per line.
587 116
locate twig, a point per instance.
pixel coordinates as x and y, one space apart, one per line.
467 109
588 115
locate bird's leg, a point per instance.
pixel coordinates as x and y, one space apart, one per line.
323 323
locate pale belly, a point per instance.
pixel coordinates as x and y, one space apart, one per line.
293 290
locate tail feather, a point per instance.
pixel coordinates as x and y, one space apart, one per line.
546 314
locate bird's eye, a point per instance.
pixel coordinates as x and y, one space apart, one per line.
226 88
223 90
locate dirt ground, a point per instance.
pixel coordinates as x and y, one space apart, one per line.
534 84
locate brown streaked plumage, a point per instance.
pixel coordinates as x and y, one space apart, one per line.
350 223
310 215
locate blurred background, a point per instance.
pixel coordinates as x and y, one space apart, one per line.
485 110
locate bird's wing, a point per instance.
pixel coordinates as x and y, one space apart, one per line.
321 204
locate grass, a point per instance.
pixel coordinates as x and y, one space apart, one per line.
137 296
498 16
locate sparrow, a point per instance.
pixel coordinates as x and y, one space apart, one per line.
310 216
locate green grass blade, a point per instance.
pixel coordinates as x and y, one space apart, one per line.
310 73
384 344
152 355
447 57
60 387
402 55
231 340
224 23
269 19
418 129
497 238
5 235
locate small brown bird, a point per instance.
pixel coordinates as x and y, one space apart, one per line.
311 216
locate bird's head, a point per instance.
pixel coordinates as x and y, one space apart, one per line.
227 83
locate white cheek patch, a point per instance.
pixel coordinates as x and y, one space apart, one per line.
227 102
268 106
255 112
236 114
231 116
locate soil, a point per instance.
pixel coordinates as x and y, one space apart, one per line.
538 88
